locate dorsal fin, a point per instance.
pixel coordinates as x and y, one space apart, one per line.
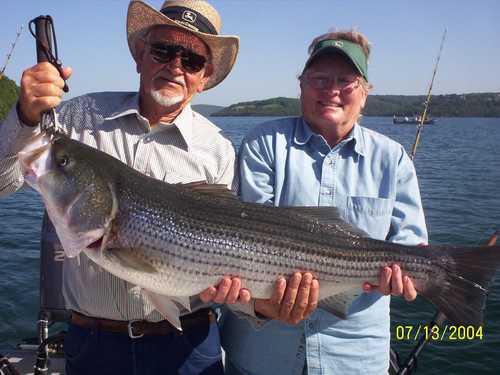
326 216
217 190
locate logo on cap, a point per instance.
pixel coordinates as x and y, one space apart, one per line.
189 16
338 43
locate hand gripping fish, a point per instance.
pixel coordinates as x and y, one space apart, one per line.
177 240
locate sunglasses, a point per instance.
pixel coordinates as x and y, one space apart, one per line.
163 53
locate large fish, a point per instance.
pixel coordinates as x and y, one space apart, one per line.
176 240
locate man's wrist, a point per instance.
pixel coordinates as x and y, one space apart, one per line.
22 120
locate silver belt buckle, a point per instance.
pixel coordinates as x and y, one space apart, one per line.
131 330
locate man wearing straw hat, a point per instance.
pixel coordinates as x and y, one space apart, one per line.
116 328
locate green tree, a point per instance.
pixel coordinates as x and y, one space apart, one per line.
9 92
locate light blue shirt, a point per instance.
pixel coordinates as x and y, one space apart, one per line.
372 182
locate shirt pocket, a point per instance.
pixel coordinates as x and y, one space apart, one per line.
370 214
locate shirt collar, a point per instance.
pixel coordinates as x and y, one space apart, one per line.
184 123
303 134
130 106
359 140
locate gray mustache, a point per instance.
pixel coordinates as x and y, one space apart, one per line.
180 80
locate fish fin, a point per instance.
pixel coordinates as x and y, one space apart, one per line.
184 302
168 307
108 225
218 190
129 259
460 291
328 216
339 304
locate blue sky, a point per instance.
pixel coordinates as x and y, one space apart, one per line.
405 37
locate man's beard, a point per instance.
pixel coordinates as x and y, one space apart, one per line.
166 101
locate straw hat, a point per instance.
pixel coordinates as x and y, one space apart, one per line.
195 16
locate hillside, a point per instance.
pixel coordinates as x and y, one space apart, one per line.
8 95
207 109
270 107
453 105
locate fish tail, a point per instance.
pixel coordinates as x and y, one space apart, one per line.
460 291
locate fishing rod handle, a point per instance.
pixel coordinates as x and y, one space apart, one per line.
46 43
43 38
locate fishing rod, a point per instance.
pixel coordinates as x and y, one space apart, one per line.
423 117
9 55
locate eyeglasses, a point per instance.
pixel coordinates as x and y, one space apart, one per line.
344 84
163 53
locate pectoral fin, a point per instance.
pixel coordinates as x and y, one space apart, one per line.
170 308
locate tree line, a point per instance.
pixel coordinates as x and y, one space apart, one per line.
452 105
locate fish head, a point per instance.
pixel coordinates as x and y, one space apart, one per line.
77 192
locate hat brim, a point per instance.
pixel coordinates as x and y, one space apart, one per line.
223 48
333 50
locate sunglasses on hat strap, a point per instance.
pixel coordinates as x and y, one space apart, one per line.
163 53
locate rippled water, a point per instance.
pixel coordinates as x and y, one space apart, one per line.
458 164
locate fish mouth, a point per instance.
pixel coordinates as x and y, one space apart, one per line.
96 245
30 159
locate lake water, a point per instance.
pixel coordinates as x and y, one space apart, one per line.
458 164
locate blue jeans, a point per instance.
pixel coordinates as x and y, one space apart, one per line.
91 351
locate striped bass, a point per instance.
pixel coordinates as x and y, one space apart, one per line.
177 240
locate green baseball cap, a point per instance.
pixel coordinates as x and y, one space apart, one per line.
352 51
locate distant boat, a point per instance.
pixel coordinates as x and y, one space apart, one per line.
411 120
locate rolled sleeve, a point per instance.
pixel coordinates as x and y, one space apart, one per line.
408 221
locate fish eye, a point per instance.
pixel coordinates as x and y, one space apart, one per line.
62 161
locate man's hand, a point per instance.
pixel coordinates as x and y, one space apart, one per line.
291 302
391 281
41 90
229 291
